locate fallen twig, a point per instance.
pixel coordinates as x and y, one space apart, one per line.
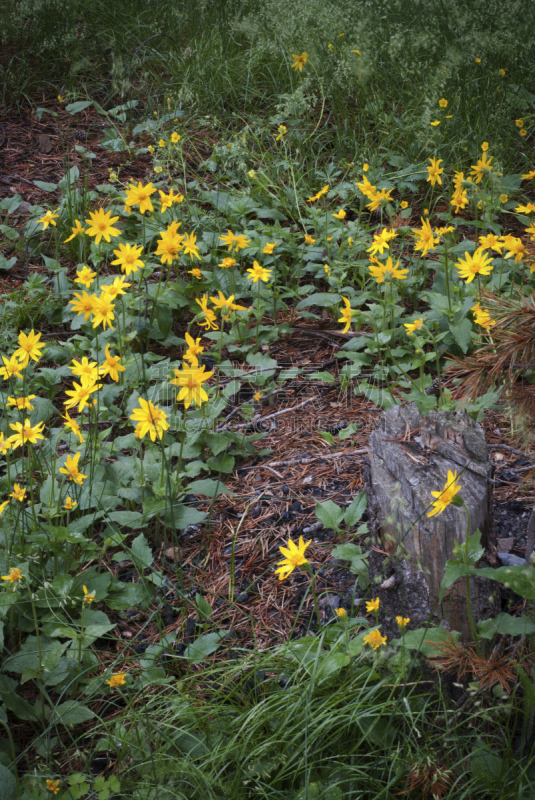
307 459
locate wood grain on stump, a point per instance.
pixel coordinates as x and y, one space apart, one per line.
403 475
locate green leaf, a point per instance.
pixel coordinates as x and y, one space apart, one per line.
71 713
208 488
348 431
462 333
21 707
326 377
8 784
46 187
354 512
322 299
164 318
424 639
329 514
131 519
5 263
505 624
327 436
520 579
203 606
222 463
486 765
453 571
129 595
141 553
204 646
79 105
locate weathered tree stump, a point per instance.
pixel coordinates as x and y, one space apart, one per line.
404 470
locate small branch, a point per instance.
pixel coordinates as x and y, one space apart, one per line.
299 460
510 450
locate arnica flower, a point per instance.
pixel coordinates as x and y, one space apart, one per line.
381 241
294 556
411 327
435 171
85 277
459 201
424 238
117 679
258 396
269 247
3 506
234 242
189 246
103 311
111 366
529 208
299 61
347 314
482 317
446 496
14 574
175 138
190 381
85 369
73 426
375 640
379 198
383 273
53 786
477 264
102 225
29 347
226 305
523 132
282 131
341 613
48 219
69 504
435 123
140 196
528 176
327 269
84 304
319 194
485 146
128 258
18 493
25 433
366 188
227 263
70 469
12 367
209 317
170 244
256 273
150 419
88 596
22 403
403 205
340 214
403 622
483 165
443 103
491 242
76 231
116 288
309 239
372 605
194 349
5 444
80 394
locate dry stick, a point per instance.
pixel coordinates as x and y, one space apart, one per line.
258 418
531 538
509 450
307 459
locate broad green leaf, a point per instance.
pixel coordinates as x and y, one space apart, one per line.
505 624
354 512
222 463
462 333
141 553
453 571
521 579
208 488
204 646
79 105
322 299
204 607
329 514
424 639
348 431
71 713
129 595
46 187
131 519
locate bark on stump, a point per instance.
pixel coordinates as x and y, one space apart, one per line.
403 474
